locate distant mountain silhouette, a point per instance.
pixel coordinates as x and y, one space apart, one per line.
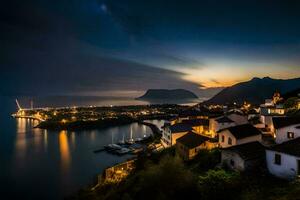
177 94
254 91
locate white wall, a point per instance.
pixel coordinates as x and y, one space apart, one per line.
281 134
166 137
227 135
288 168
227 156
214 126
267 120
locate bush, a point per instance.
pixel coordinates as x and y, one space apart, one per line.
169 179
219 184
205 160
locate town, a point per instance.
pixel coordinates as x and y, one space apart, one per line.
248 136
247 139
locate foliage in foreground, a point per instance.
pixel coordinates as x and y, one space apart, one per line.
170 178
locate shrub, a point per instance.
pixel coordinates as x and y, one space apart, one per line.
219 184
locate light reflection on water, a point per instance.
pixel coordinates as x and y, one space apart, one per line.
62 162
64 150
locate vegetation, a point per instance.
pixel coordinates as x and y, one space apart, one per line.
166 176
291 103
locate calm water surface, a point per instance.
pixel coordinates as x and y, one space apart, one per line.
40 164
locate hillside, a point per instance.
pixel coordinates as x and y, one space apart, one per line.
294 93
177 94
254 91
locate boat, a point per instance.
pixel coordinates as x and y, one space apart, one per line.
112 147
130 140
138 140
122 142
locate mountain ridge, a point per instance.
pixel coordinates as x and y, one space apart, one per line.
254 91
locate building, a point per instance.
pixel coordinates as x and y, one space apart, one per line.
283 160
285 128
200 126
238 117
271 109
253 113
189 145
172 132
219 123
244 157
239 135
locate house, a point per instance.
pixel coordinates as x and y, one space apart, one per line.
189 145
219 123
243 157
271 109
285 128
238 117
237 135
253 113
172 132
283 160
200 126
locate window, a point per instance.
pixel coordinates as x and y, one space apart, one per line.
232 163
290 135
277 159
223 138
229 141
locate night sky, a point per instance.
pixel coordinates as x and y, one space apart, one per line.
123 47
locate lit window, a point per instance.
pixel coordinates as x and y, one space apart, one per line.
290 135
277 159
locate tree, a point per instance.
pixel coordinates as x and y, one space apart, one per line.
291 103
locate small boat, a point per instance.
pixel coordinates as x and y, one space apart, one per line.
130 141
112 147
138 140
121 142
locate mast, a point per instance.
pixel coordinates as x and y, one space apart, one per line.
17 102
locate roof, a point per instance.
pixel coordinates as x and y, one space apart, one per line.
253 111
243 131
291 147
180 127
197 122
237 112
248 151
224 120
192 140
281 122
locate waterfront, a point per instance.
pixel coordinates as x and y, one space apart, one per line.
57 163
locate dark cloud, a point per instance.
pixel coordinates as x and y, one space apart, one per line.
71 46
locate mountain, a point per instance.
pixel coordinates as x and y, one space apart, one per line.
254 91
177 94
